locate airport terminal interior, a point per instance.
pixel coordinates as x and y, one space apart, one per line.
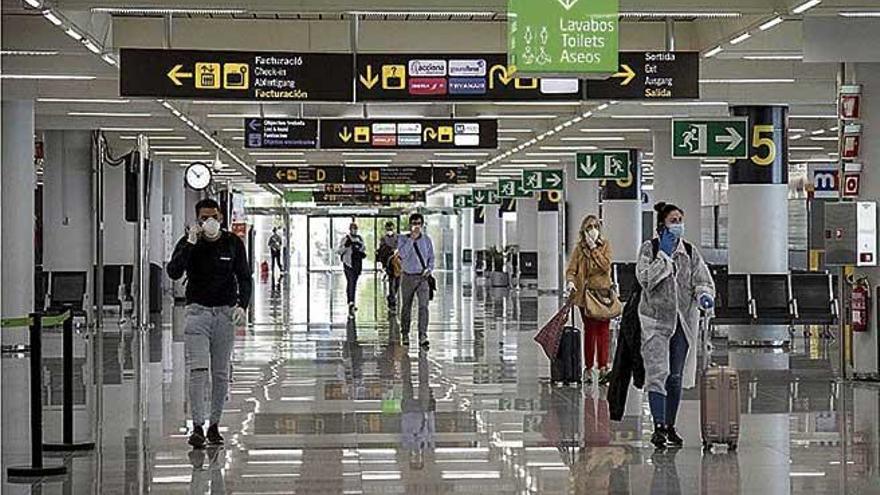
445 246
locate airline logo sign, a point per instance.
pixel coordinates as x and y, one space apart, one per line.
414 133
602 165
543 180
442 77
229 75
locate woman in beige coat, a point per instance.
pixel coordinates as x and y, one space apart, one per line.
589 269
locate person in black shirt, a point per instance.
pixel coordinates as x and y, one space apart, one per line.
218 290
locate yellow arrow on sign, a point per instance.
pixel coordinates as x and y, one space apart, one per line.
345 135
175 75
369 80
627 74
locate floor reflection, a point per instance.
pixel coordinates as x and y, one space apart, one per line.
333 405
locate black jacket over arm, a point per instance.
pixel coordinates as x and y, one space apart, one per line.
628 364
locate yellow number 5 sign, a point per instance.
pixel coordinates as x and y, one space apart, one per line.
760 140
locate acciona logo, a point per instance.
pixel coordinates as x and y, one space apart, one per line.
427 67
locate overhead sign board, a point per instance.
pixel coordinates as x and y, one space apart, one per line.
321 197
232 75
409 133
299 175
455 175
710 138
563 36
454 77
543 180
512 188
602 165
463 201
650 76
388 175
486 197
281 133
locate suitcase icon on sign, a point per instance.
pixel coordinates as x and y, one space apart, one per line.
235 76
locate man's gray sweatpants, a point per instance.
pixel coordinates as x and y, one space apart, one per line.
411 287
209 338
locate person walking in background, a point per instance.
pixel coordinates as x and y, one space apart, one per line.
275 245
218 292
352 250
416 252
589 281
676 283
388 257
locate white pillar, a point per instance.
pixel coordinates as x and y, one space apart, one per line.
527 237
157 240
622 213
479 235
467 236
118 233
18 183
581 199
493 227
678 182
549 244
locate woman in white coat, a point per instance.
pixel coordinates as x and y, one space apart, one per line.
675 283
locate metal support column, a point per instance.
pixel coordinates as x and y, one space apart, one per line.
142 307
670 34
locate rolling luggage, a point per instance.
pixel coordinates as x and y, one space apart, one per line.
565 368
719 401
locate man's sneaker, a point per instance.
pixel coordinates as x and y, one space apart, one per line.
659 438
672 438
197 438
604 377
404 339
424 343
214 436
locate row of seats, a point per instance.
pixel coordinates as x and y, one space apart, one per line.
67 289
798 298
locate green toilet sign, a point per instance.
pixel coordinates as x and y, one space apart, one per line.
710 138
543 180
562 36
602 165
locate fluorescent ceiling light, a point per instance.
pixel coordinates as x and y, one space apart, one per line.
739 39
232 129
73 33
590 138
780 80
442 153
51 17
645 116
155 138
28 53
244 116
616 130
515 131
771 23
238 138
441 13
517 116
110 114
872 13
601 107
367 160
109 59
806 148
823 138
809 4
795 137
92 46
714 51
506 139
568 148
773 57
531 103
527 164
137 129
277 153
683 15
553 160
817 132
176 147
369 153
58 77
282 160
164 11
797 129
34 3
83 100
807 116
550 154
236 102
468 160
183 153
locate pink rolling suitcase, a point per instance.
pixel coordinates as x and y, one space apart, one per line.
719 400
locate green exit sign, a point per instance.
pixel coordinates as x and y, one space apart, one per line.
562 36
710 138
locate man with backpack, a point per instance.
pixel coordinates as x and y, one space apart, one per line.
388 257
416 252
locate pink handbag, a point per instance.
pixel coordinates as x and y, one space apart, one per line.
548 336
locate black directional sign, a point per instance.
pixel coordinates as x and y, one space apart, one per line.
409 133
231 75
299 175
651 76
453 77
368 198
281 133
455 175
388 175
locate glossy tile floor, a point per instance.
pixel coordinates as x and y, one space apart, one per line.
337 407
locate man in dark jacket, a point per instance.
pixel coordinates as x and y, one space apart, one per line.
218 291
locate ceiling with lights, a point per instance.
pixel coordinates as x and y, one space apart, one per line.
65 55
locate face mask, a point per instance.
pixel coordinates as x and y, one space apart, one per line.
212 228
677 229
389 232
593 234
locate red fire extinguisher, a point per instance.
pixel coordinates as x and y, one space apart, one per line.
861 305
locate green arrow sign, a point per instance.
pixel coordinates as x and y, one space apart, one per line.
531 180
602 165
512 188
562 36
543 180
481 197
396 189
463 201
708 138
298 196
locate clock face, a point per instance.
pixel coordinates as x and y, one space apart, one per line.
198 176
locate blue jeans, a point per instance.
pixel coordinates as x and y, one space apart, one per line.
664 408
